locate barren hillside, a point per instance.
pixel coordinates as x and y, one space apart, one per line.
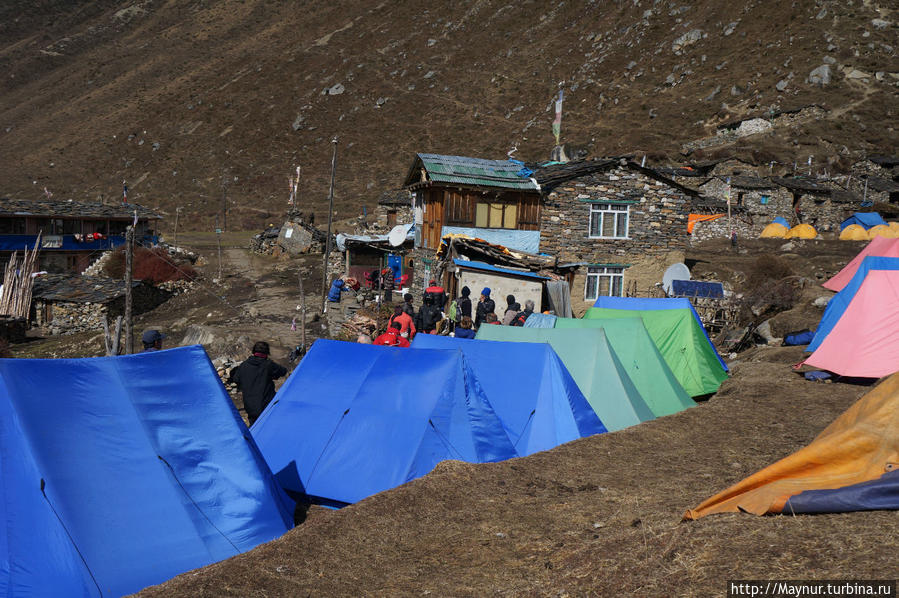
191 100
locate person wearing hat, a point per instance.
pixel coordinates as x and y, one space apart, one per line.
486 306
255 378
152 340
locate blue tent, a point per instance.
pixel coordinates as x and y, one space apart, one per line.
353 420
529 387
865 219
122 472
782 221
839 302
639 303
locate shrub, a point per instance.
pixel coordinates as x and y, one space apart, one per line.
152 265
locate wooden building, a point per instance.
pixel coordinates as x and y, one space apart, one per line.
492 199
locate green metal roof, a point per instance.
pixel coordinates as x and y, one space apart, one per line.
471 171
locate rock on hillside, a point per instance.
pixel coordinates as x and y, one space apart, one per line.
191 100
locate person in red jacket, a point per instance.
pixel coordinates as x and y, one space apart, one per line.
407 326
437 294
392 337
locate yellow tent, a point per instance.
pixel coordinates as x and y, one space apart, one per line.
894 226
774 230
881 230
854 232
802 231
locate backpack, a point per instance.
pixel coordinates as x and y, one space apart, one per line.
519 319
454 312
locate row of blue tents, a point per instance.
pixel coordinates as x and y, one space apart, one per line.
122 472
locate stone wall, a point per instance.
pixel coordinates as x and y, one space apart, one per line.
69 317
657 228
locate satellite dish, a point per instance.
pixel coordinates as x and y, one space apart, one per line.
678 271
397 235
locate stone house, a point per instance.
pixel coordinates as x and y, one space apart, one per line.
758 200
66 304
394 207
621 225
817 202
873 188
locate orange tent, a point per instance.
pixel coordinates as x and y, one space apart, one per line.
851 466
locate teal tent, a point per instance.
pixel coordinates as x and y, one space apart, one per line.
641 359
593 364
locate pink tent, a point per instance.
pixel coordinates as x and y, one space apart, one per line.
863 341
879 246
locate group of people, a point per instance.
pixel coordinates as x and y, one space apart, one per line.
438 315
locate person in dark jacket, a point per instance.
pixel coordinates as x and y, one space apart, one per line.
521 318
255 378
512 309
463 304
428 316
437 294
486 305
387 282
407 305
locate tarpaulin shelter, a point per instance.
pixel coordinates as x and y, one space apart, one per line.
882 230
122 472
881 246
854 232
781 220
536 320
593 364
642 361
862 343
850 466
681 341
529 388
863 219
775 230
656 303
353 420
802 231
692 219
837 305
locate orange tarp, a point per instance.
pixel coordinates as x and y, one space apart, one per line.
692 219
860 445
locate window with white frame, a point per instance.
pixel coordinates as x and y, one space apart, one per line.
603 281
609 220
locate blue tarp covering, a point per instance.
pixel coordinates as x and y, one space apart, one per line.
353 420
539 403
20 242
639 303
521 240
866 219
839 302
491 268
696 288
874 495
782 221
122 472
536 320
803 337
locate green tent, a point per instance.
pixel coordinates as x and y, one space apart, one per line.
641 359
592 363
681 341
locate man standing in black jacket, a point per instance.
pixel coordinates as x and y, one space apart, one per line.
255 378
485 306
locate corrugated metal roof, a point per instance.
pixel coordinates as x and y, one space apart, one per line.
474 171
491 268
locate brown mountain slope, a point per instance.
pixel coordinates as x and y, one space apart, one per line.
182 98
